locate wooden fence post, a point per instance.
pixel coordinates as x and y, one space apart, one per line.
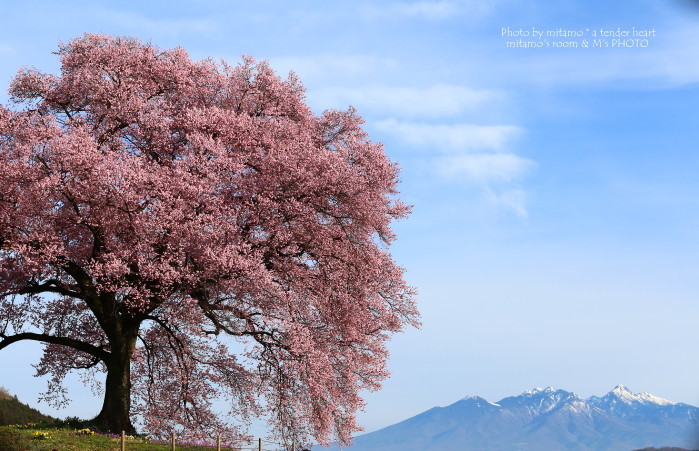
123 441
173 442
218 443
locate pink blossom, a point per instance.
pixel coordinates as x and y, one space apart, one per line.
156 210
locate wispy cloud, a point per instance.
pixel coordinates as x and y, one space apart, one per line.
439 100
678 61
329 66
485 167
6 49
512 199
429 10
474 154
159 26
451 138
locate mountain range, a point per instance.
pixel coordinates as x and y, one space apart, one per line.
543 419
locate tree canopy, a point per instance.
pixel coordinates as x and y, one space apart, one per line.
194 231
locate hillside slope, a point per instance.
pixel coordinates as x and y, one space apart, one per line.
12 411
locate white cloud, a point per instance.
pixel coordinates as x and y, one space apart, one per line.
678 62
485 167
439 100
6 49
166 27
451 137
327 66
474 154
513 199
430 10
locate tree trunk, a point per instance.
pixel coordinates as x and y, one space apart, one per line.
115 413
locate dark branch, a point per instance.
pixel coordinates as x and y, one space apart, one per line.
78 345
50 286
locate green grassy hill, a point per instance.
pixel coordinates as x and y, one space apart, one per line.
25 429
28 438
14 412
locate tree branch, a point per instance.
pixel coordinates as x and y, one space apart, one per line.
50 286
78 345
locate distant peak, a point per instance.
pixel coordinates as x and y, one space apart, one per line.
478 399
621 389
536 390
623 394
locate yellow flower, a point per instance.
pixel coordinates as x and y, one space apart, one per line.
39 435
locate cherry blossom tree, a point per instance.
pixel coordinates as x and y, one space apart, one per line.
195 232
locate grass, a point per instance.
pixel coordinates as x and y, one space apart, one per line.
14 412
25 429
32 437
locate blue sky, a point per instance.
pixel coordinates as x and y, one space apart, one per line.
554 235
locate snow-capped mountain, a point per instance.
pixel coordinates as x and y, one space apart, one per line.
623 399
543 419
624 403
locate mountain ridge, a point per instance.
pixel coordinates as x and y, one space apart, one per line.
543 418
